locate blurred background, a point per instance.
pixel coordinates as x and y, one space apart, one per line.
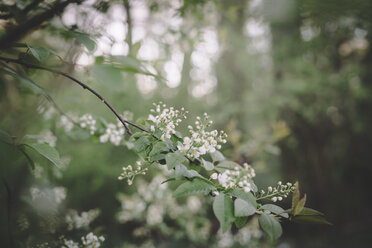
290 81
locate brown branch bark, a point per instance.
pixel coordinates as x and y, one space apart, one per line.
15 33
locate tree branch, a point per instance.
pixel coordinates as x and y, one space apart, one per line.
17 32
124 122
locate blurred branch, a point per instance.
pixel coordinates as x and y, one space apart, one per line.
16 32
124 122
130 24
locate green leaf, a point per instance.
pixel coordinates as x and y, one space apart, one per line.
275 209
223 208
130 65
27 83
271 226
193 187
107 75
226 165
40 53
217 156
85 40
31 162
158 148
46 151
240 221
141 144
243 208
314 219
247 196
173 159
207 165
309 211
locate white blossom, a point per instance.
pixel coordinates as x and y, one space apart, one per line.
166 119
113 133
87 121
75 220
92 241
237 178
129 172
59 194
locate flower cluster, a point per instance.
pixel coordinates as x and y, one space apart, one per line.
113 133
277 193
76 221
239 177
166 119
87 121
130 173
92 241
70 244
201 141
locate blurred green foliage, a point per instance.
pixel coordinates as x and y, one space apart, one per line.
289 81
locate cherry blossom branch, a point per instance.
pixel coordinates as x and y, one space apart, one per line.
123 121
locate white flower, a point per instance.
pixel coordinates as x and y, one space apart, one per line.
214 176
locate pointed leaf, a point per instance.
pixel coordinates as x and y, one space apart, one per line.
173 159
247 196
223 208
315 219
217 156
207 165
243 208
300 205
46 151
271 226
193 187
158 148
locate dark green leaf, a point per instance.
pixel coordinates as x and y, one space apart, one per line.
240 221
141 144
158 148
173 159
193 187
271 226
315 219
223 209
46 151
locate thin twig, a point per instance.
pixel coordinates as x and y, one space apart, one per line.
124 122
